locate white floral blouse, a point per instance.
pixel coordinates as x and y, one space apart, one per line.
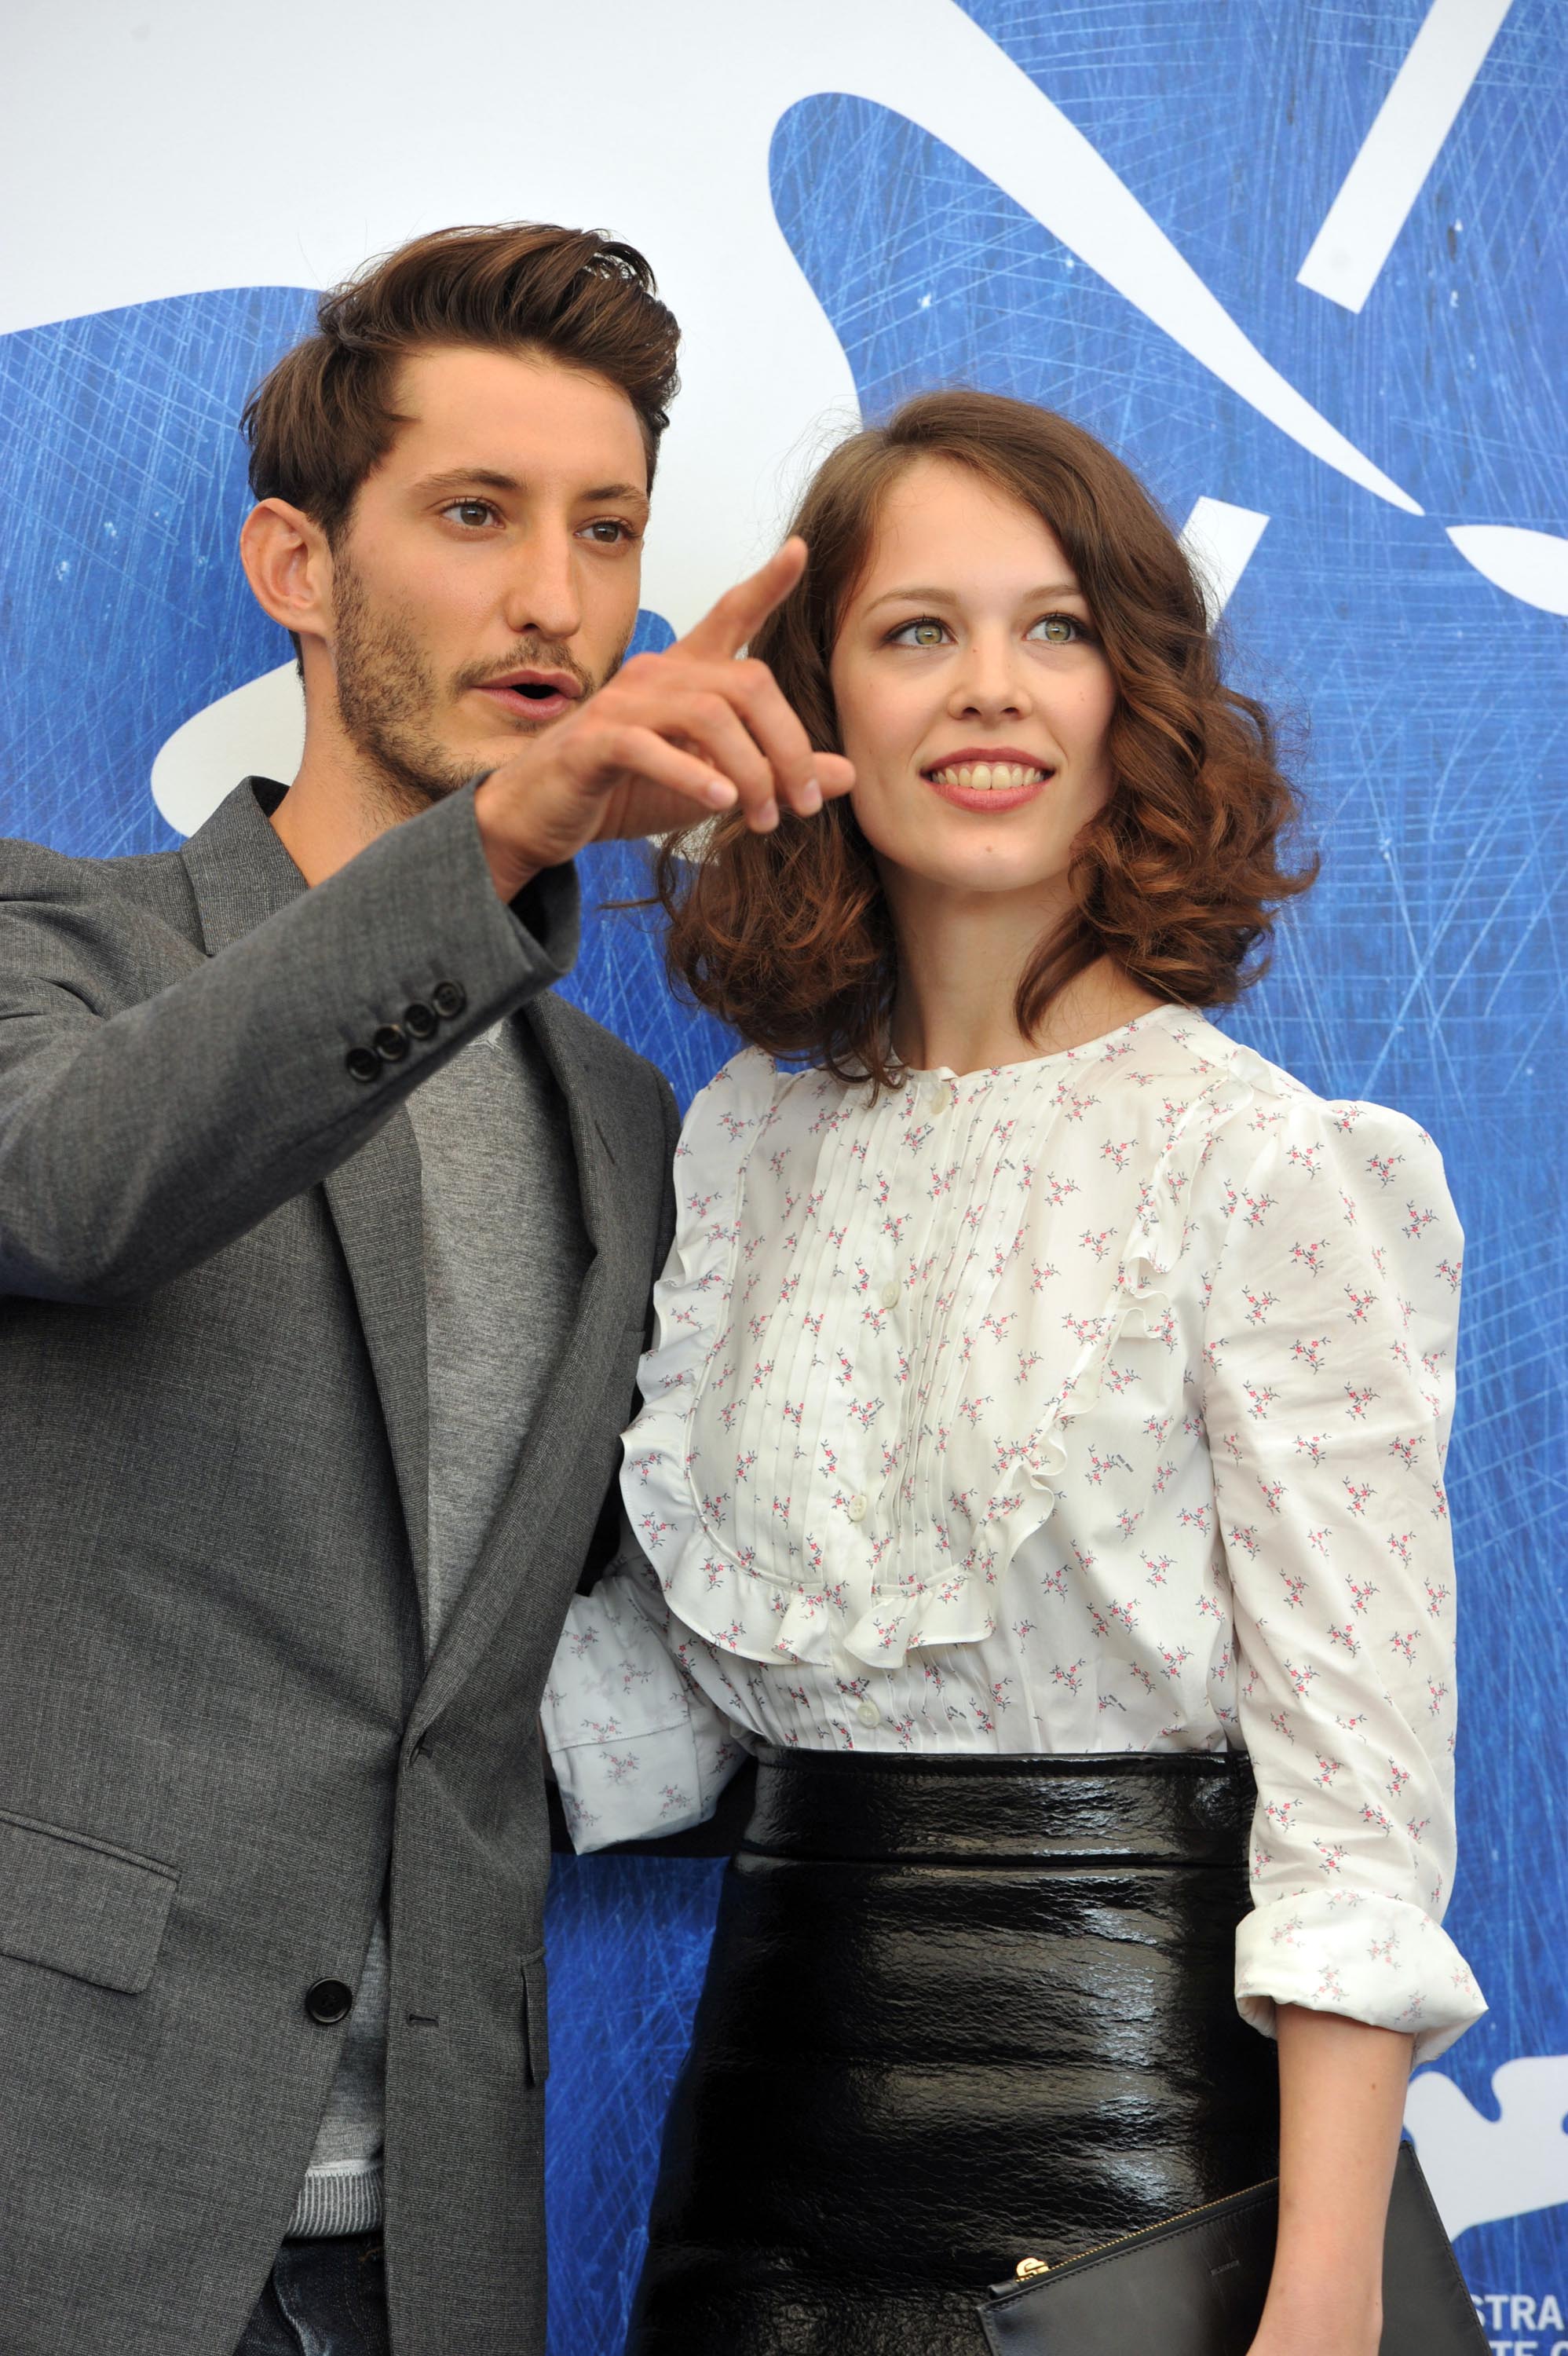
1092 1403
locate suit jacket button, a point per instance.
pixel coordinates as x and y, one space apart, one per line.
328 2002
362 1065
390 1044
449 999
418 1020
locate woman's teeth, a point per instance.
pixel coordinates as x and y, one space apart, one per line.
990 776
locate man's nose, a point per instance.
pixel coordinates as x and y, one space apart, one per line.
542 594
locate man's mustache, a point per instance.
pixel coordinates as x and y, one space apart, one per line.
530 654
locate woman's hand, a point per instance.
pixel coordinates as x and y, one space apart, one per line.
1341 2090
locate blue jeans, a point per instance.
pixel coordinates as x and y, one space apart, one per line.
323 2299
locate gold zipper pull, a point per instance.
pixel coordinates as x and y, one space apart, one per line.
1027 2266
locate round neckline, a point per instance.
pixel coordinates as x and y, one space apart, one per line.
916 1074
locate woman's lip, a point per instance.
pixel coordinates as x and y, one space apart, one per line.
985 799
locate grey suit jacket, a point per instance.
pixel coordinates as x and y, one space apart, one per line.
219 1738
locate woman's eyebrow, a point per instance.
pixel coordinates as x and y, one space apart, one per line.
950 597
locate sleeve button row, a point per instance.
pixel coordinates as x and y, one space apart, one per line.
390 1044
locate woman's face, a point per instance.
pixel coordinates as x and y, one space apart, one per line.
972 696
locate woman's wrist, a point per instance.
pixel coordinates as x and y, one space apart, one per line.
1331 2318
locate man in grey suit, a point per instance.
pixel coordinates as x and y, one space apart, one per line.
327 1235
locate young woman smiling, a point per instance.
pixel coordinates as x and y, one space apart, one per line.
1041 1471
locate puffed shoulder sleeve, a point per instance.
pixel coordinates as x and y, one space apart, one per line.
1328 1391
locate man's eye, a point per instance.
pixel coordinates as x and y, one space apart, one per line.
607 530
470 513
1059 629
925 632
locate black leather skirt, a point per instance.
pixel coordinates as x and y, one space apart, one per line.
959 2011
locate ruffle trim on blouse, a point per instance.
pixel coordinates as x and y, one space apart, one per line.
727 1597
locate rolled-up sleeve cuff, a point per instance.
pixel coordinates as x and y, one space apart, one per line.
1372 1957
629 1789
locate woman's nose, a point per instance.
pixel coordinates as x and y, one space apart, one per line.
990 685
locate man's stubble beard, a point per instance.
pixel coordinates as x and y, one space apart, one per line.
388 695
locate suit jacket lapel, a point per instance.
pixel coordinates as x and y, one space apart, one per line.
240 874
376 1205
575 1391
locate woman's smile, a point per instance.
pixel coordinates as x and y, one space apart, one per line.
988 779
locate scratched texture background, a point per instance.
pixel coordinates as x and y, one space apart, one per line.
1427 971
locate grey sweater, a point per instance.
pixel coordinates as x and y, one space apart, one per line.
505 1255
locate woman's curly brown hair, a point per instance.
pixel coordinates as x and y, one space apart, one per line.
787 936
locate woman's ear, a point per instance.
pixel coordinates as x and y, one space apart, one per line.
288 564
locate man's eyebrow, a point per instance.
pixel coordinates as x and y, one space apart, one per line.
488 479
949 596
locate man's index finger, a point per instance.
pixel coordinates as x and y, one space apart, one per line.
730 625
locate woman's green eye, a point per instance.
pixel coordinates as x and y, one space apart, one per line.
1058 629
926 632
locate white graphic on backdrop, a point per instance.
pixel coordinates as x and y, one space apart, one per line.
1374 204
1481 2169
257 731
1530 565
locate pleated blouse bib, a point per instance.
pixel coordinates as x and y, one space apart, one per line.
1092 1403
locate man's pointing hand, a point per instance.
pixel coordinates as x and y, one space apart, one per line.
673 737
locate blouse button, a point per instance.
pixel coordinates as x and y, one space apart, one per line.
869 1713
891 1295
857 1508
936 1098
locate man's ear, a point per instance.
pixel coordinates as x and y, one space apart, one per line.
288 564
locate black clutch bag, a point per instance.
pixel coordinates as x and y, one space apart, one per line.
1196 2284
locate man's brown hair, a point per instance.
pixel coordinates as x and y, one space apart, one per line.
787 936
322 419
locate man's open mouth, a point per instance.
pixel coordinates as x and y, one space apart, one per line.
539 694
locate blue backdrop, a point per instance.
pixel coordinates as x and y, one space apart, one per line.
1426 971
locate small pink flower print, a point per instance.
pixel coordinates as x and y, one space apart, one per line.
1360 1397
1309 1255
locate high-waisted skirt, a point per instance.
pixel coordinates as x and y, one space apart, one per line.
959 2011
